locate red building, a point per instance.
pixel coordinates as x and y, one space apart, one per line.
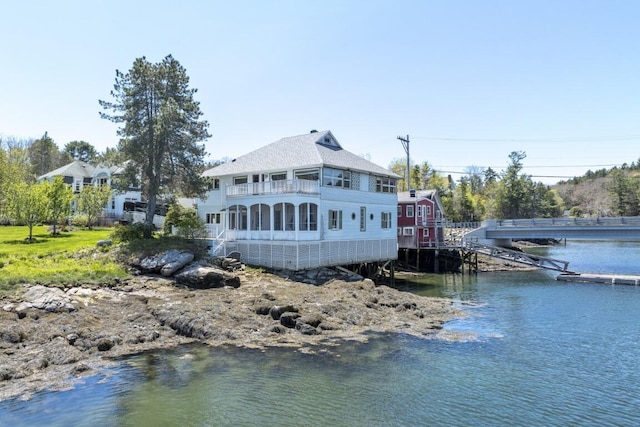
420 219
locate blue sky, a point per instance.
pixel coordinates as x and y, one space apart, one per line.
468 81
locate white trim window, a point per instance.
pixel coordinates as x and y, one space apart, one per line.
284 217
237 180
410 211
212 218
385 220
363 218
385 185
336 178
407 231
335 220
308 217
309 174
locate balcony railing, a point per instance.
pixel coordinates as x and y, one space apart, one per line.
274 187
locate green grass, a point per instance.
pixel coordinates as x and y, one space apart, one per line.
68 258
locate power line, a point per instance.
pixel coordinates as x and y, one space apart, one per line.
538 166
562 139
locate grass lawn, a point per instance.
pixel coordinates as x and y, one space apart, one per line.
64 259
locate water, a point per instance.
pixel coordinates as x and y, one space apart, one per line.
536 352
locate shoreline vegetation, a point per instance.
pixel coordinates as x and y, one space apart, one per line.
56 334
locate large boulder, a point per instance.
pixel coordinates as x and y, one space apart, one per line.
166 263
202 277
175 262
44 298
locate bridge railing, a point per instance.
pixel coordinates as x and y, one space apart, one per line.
564 222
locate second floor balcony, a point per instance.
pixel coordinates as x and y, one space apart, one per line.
274 187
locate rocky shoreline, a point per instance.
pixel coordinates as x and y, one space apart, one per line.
51 337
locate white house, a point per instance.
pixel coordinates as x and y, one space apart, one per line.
302 202
77 174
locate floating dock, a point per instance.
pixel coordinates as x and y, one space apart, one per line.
610 279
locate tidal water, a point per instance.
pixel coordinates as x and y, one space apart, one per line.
534 352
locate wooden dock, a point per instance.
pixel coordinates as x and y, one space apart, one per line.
610 279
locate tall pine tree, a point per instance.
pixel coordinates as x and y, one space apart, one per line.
161 130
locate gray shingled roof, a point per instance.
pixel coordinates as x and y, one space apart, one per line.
298 152
405 196
76 168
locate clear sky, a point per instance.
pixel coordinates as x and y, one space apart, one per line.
468 81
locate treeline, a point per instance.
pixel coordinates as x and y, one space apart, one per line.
36 157
605 192
484 193
25 201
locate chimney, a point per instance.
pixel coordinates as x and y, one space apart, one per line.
412 193
313 131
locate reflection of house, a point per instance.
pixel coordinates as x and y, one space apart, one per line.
78 174
420 216
302 202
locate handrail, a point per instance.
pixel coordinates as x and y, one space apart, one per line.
274 187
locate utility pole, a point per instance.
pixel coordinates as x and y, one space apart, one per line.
405 144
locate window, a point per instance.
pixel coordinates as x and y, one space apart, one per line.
260 217
213 184
238 217
428 210
407 231
310 175
280 176
308 214
363 218
283 217
385 185
425 232
239 180
410 210
422 211
399 211
336 178
385 220
212 218
335 220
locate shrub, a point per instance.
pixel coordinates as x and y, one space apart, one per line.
187 222
80 220
131 232
575 212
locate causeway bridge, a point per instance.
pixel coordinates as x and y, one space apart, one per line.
599 228
494 237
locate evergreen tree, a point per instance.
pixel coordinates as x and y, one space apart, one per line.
45 156
513 196
161 129
80 150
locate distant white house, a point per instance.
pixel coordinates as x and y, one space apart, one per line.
77 174
302 202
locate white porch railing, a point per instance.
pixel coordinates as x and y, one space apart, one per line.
274 187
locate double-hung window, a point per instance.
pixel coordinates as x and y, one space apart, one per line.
335 220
